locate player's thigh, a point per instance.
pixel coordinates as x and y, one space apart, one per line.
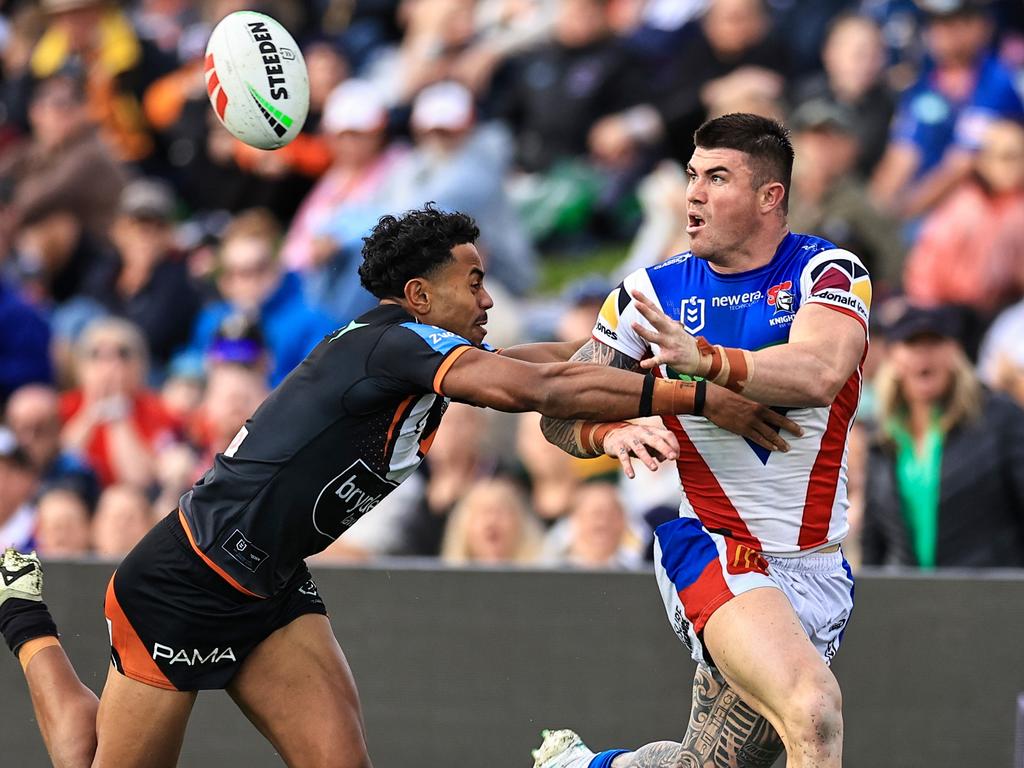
297 688
760 647
140 725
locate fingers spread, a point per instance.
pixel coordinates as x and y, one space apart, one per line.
627 462
649 334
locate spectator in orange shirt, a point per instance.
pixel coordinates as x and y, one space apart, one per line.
112 419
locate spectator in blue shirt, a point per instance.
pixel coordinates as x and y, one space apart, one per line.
252 282
941 118
24 343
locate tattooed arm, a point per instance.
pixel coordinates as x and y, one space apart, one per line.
562 432
724 732
726 409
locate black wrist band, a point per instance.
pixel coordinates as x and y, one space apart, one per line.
647 395
700 392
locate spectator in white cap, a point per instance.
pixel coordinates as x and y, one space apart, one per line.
461 165
355 122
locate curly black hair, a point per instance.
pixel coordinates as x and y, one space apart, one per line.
415 244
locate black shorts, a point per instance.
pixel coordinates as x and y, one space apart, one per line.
174 623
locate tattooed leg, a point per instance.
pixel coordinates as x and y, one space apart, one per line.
723 733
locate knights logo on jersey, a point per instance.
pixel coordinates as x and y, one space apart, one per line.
781 297
691 314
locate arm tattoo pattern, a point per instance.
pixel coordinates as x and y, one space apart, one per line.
723 733
561 432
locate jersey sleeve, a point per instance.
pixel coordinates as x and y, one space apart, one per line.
837 279
417 354
614 325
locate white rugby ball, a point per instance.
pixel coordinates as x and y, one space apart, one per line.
256 79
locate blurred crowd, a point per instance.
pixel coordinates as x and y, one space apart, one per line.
158 278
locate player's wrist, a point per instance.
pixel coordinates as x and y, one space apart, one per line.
590 435
728 367
678 397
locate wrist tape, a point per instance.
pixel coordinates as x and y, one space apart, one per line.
728 367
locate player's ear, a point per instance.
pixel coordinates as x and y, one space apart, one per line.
772 195
417 295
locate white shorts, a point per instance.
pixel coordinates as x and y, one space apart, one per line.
699 571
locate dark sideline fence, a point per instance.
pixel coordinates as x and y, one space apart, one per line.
464 668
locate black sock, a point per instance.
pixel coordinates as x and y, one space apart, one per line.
24 620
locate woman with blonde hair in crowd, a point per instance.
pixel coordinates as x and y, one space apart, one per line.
945 483
492 525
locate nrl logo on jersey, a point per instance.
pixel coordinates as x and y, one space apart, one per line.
691 314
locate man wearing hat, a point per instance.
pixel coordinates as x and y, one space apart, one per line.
145 280
945 481
829 197
942 118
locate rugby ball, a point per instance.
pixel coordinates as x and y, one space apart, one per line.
256 79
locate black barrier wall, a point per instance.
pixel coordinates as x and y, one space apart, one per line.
464 668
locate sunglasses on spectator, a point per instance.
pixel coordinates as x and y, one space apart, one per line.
122 352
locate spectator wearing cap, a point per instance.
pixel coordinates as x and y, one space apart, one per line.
252 281
33 415
65 167
24 343
828 197
1001 357
18 481
970 251
98 36
941 120
461 165
355 124
945 478
112 419
145 279
854 77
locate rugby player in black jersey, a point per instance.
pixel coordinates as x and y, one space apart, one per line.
218 595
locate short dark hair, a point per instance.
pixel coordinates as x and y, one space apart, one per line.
765 141
415 244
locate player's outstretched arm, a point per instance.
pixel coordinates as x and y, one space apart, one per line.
544 351
570 390
726 409
824 349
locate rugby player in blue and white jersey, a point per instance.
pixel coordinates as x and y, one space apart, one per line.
752 575
217 595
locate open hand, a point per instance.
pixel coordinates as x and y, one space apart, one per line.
650 444
676 348
748 419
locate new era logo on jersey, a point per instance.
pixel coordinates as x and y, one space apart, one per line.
692 315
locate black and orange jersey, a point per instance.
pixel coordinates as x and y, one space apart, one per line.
349 424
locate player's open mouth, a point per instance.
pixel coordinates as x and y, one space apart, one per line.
694 222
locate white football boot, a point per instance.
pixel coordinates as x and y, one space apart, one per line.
561 749
21 576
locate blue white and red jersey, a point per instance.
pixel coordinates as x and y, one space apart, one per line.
773 502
